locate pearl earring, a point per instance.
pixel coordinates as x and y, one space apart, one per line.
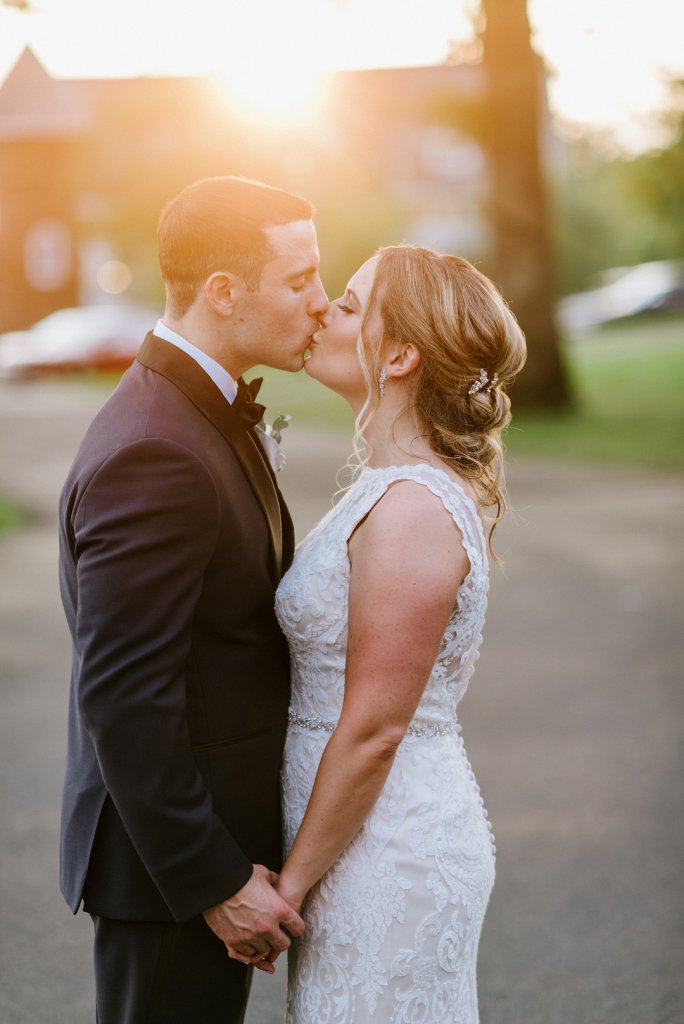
381 382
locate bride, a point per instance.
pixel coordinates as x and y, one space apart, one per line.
390 854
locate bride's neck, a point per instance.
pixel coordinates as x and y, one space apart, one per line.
393 437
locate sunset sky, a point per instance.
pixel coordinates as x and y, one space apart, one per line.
609 59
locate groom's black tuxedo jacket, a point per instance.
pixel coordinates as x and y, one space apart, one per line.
173 538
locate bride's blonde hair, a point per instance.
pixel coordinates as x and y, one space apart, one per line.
460 324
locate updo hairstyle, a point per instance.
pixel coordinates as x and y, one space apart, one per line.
461 325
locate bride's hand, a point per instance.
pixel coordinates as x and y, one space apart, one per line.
286 888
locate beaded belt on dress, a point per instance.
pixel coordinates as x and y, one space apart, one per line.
443 729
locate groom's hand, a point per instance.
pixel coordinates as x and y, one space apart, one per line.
256 922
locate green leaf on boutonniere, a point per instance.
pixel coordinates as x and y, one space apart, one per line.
279 424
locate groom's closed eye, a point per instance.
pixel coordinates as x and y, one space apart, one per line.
298 282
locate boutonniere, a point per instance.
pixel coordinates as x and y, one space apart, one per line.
271 436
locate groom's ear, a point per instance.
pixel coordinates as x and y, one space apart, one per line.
222 290
404 360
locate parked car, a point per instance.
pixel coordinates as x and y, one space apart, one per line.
82 338
627 291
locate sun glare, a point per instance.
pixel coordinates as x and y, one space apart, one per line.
273 95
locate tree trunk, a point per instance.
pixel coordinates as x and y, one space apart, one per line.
518 215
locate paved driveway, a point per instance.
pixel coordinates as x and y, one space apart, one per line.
573 724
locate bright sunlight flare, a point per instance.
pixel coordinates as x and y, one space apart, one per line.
272 95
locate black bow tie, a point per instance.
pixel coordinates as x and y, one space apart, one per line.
249 411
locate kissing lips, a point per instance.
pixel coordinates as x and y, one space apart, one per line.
313 342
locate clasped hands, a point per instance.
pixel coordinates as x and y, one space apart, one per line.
257 923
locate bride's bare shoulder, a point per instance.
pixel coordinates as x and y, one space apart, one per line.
410 547
410 519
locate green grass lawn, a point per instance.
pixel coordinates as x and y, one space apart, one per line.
629 385
10 516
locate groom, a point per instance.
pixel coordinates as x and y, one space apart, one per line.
173 538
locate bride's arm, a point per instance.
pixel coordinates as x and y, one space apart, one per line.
407 561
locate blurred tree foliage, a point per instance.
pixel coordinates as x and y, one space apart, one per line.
617 211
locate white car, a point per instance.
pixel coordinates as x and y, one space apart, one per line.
629 291
103 337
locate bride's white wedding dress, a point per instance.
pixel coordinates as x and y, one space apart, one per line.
393 927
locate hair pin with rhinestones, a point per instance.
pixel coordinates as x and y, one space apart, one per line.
483 383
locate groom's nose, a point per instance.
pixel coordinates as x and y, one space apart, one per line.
318 305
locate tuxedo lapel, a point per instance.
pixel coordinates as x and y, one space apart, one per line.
178 367
286 519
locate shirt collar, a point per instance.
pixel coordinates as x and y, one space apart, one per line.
220 376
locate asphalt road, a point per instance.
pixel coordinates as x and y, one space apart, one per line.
573 724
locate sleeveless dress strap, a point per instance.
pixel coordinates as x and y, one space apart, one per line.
373 484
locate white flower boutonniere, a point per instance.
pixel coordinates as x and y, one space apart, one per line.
271 436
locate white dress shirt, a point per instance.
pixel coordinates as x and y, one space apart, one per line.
221 378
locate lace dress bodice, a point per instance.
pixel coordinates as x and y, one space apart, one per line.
312 602
405 900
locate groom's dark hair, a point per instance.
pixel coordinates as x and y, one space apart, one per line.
218 224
